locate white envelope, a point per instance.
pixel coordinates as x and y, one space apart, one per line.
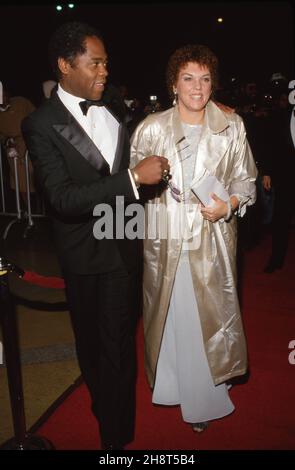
209 184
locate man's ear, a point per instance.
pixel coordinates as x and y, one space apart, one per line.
63 65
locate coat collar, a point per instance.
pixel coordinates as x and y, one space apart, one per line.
214 142
212 145
177 127
215 121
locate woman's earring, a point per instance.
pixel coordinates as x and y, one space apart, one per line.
175 98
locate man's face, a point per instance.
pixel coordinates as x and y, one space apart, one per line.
87 75
251 90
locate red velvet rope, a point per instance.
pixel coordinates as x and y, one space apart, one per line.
43 281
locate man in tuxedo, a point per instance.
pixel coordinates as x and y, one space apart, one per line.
80 151
277 169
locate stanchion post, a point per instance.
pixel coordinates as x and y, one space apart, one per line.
12 357
28 191
8 321
2 182
15 157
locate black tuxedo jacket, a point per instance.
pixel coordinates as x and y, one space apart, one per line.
75 178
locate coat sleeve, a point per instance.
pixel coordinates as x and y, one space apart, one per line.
66 196
141 147
140 144
244 172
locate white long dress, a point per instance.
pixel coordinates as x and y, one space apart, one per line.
183 375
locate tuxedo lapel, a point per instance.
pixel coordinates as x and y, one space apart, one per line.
119 150
79 139
71 130
120 142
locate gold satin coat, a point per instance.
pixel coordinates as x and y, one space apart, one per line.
224 152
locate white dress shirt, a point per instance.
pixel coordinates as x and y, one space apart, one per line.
99 124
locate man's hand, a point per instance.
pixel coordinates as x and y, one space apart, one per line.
266 182
224 108
150 170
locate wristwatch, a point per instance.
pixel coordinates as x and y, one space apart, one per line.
135 177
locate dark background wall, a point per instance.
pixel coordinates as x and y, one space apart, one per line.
255 40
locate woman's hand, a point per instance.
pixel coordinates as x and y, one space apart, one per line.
219 209
216 212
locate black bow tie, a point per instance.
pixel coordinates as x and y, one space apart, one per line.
85 105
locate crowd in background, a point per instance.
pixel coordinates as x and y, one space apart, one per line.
266 112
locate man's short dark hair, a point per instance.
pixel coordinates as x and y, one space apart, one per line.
68 41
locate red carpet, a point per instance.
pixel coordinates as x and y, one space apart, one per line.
265 413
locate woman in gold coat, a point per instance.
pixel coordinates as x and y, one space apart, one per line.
194 339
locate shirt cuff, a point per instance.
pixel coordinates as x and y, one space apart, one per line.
133 184
241 209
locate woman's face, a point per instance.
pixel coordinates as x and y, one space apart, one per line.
193 86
